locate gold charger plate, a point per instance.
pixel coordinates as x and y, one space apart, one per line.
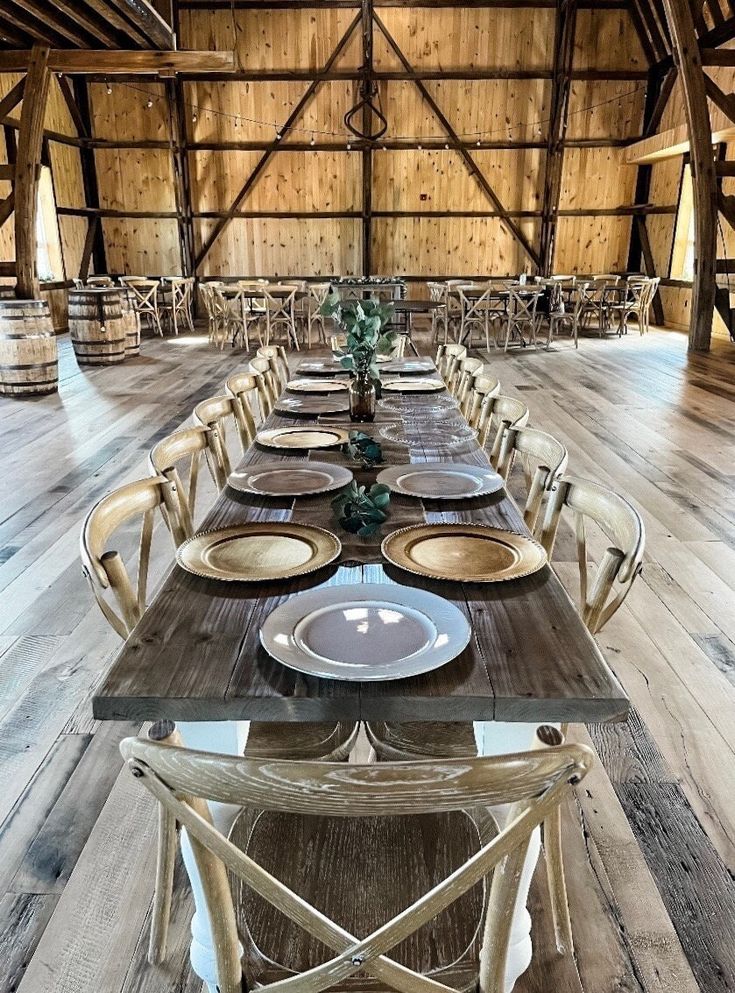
316 385
258 551
471 553
412 386
316 437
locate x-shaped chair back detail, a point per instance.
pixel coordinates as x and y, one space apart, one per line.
178 457
533 782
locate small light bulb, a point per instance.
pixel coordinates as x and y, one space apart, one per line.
478 142
194 118
149 104
447 147
418 148
349 147
313 140
109 89
278 135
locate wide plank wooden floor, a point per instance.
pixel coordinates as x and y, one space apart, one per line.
651 840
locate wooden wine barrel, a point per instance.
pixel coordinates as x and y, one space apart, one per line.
7 292
131 322
96 325
28 355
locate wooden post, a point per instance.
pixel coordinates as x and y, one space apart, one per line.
688 59
367 151
566 22
94 248
27 167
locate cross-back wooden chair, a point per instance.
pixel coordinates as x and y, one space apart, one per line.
280 304
206 295
438 293
479 312
351 818
447 357
123 601
100 281
177 307
178 458
601 592
482 386
145 300
565 309
244 388
543 458
461 382
276 355
310 310
521 316
496 413
219 414
265 381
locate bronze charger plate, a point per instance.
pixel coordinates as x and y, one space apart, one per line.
258 551
287 478
306 437
310 406
413 385
471 553
317 385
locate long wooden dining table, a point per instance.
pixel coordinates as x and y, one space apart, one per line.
196 658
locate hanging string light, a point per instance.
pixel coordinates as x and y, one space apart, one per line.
477 136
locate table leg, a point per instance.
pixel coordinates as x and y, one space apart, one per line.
227 738
499 738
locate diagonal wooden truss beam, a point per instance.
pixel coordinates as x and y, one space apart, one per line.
566 22
469 161
12 98
293 117
724 101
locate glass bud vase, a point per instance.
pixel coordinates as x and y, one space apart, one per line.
362 397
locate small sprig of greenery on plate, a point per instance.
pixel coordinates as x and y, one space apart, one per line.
363 322
360 510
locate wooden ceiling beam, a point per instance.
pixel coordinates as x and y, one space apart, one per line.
110 16
37 30
388 75
355 4
48 14
99 28
11 34
146 20
108 62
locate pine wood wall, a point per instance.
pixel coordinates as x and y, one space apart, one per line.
410 182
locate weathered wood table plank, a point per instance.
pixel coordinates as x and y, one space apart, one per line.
196 654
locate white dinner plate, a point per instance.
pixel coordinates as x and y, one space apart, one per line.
365 631
441 480
290 479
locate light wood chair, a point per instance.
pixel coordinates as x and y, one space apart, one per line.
565 313
253 308
543 458
447 357
145 300
220 414
244 388
462 378
601 593
100 281
178 458
496 413
438 293
521 317
207 297
280 304
123 602
176 308
278 358
317 293
266 383
355 823
478 312
482 387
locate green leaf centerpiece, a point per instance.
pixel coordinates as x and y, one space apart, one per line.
363 322
360 510
364 450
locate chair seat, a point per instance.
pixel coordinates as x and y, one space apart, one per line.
331 741
360 872
425 739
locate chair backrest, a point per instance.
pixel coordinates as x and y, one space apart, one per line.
178 458
496 413
522 305
280 298
218 413
276 355
447 357
482 387
100 281
145 293
244 389
533 783
265 383
464 373
544 459
620 522
103 565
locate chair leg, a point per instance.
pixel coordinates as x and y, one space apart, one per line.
166 733
557 884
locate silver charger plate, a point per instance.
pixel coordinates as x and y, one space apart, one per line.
441 480
290 479
365 631
409 366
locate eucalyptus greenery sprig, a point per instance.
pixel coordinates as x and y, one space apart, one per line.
360 510
363 322
364 449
